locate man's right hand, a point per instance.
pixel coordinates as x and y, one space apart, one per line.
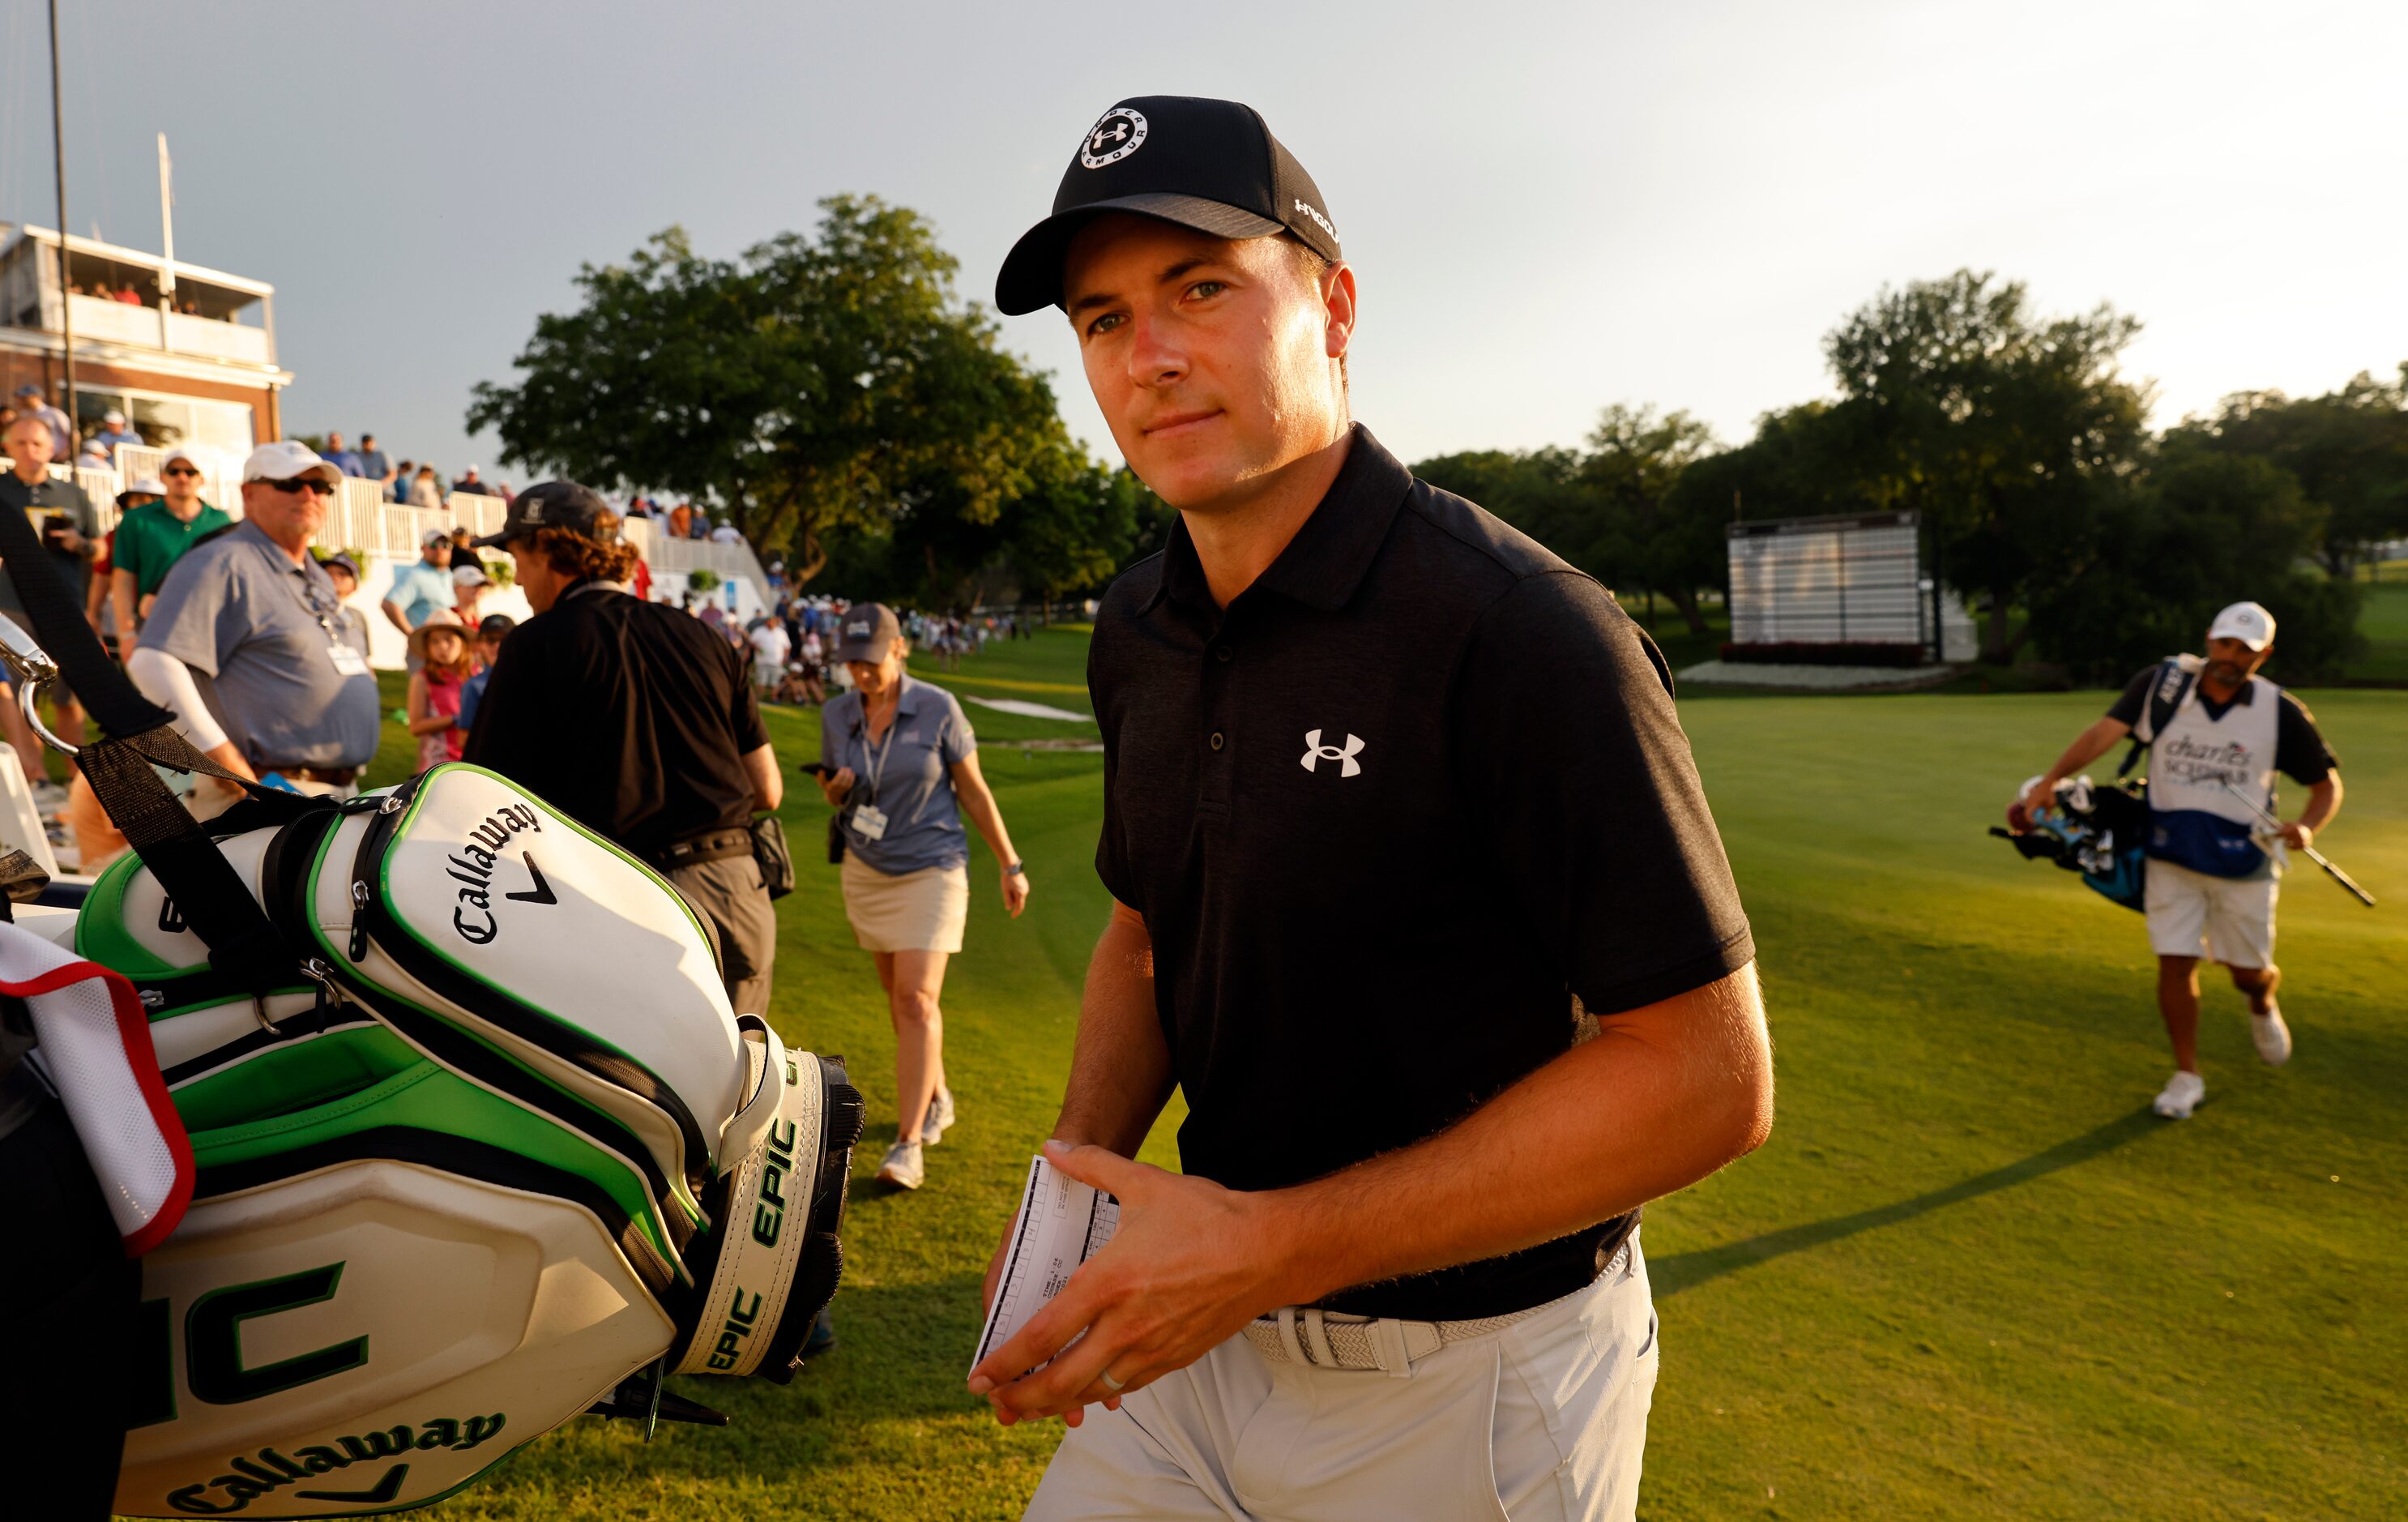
2038 797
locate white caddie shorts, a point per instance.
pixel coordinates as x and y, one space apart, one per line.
2227 919
1544 1420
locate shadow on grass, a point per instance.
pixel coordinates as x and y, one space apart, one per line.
1686 1271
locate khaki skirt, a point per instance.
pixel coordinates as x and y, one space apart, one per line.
922 910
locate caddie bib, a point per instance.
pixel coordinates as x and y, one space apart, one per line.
2194 820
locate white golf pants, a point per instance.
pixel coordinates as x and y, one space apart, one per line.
1544 1419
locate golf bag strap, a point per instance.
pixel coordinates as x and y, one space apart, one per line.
215 901
2158 713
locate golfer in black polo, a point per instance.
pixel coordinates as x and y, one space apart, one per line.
1391 793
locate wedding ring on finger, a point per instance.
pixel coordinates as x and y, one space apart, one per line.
1111 1383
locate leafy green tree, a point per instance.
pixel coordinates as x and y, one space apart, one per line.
1643 531
2201 528
809 387
1611 509
2006 431
1537 491
2347 450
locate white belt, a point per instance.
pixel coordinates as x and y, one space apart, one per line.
1320 1339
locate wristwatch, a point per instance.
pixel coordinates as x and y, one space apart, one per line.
1017 869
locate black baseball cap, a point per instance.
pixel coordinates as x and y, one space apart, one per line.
868 631
1210 165
555 504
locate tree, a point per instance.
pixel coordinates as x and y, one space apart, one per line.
2347 450
1537 491
1646 532
809 387
1613 510
2201 528
2006 432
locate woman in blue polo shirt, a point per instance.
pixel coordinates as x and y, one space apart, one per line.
902 764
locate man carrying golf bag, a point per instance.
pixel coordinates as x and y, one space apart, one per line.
2215 733
426 1114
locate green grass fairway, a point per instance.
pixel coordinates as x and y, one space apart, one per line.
2384 621
1968 1277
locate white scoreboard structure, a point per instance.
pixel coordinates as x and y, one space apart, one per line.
1848 578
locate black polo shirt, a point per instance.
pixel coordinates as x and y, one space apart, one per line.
1417 786
632 716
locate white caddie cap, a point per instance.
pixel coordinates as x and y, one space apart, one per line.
285 460
2245 621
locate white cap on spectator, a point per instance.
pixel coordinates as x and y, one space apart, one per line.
286 460
470 574
178 451
147 486
468 470
434 537
2245 621
112 415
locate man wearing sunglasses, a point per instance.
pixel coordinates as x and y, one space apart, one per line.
69 526
153 536
246 642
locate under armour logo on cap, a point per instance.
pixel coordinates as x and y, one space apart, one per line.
1315 752
1120 133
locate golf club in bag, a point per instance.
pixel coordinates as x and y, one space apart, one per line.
477 1145
2095 830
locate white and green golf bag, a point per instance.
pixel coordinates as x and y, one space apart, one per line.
498 1146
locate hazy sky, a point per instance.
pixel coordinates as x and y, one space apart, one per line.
1551 207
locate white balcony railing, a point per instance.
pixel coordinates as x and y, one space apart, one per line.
101 321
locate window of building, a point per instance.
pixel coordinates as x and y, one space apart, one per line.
223 427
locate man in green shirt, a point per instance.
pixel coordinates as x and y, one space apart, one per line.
153 536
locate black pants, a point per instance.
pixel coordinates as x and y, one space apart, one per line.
67 1298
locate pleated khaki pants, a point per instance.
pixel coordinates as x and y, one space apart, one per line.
1545 1419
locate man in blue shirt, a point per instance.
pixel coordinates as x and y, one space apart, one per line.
423 586
30 404
341 457
373 463
114 432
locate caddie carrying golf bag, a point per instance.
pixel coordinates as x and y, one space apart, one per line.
475 1137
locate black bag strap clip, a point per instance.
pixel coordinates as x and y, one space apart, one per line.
2166 695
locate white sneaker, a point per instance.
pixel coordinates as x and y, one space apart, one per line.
2181 1095
939 1116
903 1168
2272 1037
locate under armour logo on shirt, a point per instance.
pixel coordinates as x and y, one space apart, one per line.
1315 752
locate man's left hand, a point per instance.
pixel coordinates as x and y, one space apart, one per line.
1015 892
2297 835
1190 1264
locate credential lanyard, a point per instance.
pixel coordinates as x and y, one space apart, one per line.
877 758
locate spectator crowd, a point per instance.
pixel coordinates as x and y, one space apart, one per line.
245 628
